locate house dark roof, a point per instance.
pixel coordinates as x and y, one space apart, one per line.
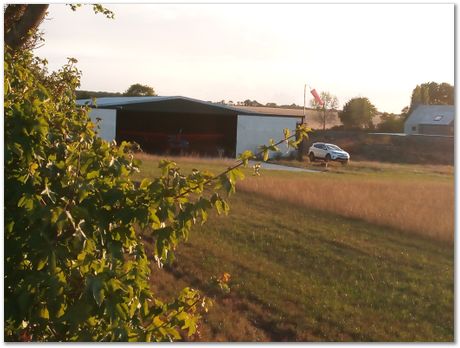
432 114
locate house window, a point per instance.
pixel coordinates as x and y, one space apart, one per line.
438 118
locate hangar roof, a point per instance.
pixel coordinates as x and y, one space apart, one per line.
120 101
163 103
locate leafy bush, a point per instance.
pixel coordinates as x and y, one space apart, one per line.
75 264
391 123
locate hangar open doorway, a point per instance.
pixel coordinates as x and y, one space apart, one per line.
179 133
174 125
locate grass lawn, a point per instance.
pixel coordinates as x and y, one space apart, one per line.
302 274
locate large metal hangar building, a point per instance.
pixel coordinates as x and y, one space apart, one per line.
186 125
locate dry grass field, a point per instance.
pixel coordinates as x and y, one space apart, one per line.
412 198
419 206
402 168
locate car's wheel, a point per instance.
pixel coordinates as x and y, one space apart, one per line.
328 157
311 156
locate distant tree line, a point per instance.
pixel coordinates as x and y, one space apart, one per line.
255 103
432 93
135 90
93 94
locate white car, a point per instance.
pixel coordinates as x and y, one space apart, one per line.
328 152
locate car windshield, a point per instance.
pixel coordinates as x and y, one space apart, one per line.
333 147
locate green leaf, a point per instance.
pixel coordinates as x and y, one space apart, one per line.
219 207
6 87
92 321
145 308
287 133
155 221
145 183
133 307
98 291
92 175
43 312
293 143
120 310
163 238
61 311
9 226
26 202
235 174
204 216
246 156
82 194
166 165
225 183
265 155
42 263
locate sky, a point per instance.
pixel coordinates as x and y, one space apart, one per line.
264 52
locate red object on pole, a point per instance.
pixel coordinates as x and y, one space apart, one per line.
317 97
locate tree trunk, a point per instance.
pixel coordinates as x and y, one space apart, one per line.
21 29
11 15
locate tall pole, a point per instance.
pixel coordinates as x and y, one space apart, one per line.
304 101
324 116
300 149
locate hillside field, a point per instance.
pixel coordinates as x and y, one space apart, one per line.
357 253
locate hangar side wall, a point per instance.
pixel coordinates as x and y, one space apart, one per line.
253 131
107 124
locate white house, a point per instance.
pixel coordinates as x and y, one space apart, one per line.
169 124
431 120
